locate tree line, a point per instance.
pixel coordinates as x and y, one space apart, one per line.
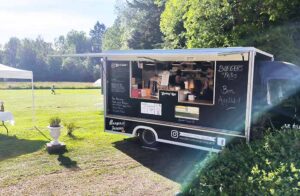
270 25
33 54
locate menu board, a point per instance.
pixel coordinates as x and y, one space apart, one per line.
118 88
230 86
231 94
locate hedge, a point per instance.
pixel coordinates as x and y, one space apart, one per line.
270 166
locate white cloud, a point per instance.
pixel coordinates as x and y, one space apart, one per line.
51 18
35 23
22 3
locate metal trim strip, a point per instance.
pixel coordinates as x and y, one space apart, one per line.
249 96
171 142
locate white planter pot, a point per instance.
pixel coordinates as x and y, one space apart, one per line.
55 133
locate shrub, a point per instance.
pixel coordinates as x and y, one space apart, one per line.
71 126
55 122
263 167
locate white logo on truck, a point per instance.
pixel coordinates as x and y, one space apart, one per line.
174 134
117 125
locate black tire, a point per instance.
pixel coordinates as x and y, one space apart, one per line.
147 138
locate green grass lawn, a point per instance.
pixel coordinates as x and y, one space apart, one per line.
96 162
20 149
99 163
46 85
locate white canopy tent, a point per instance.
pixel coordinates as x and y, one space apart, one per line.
97 83
13 73
10 72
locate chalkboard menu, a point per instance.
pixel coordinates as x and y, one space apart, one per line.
231 94
118 87
232 81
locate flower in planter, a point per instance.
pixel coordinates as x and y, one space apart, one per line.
54 128
55 122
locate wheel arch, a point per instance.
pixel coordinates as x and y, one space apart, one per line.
137 128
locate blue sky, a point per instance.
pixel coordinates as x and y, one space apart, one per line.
51 18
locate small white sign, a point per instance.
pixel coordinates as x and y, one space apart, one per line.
165 78
151 108
221 141
196 136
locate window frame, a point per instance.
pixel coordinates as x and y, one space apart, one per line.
179 102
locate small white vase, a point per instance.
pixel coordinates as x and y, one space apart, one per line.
55 133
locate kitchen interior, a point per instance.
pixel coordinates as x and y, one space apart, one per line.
194 81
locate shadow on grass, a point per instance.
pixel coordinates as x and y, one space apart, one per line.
64 160
173 162
11 146
67 162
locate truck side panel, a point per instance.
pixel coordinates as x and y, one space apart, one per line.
227 112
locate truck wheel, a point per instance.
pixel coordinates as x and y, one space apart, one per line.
147 138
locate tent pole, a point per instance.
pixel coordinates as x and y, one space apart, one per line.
33 103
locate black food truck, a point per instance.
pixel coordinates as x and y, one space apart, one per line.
198 98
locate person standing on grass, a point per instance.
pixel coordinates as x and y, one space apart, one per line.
53 90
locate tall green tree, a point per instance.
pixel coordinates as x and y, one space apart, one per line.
28 57
96 36
222 23
42 49
144 15
97 33
54 69
78 42
136 26
60 44
1 54
172 24
32 54
112 38
11 50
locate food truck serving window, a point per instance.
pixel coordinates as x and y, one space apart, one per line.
193 81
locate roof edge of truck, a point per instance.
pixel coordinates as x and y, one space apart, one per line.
169 52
